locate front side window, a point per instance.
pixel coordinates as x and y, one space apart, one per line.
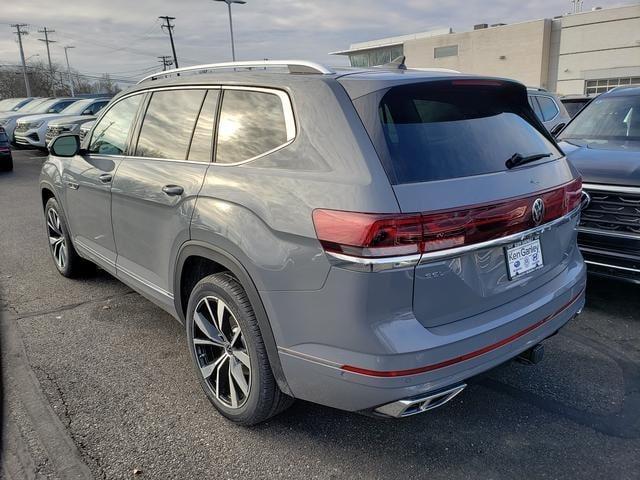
251 124
96 107
606 119
168 124
548 108
111 132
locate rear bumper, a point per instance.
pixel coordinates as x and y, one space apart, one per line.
433 358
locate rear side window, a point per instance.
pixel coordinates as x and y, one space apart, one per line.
202 141
548 108
251 124
58 107
440 130
168 124
111 132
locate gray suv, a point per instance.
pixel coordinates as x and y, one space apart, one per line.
366 239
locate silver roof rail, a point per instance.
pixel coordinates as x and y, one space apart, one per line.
295 66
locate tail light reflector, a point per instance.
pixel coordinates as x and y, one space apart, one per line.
374 235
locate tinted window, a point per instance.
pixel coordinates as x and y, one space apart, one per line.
96 107
574 107
251 123
547 107
438 131
202 141
608 118
168 124
76 108
111 132
536 107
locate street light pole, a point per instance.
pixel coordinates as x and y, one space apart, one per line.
229 2
66 55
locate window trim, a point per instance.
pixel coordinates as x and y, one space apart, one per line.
289 121
291 124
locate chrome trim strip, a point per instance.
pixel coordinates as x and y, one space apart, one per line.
498 242
372 264
595 231
91 251
144 282
245 64
615 267
611 188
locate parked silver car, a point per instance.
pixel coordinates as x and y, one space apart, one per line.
33 130
367 239
71 119
549 109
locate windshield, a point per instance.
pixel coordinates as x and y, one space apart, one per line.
77 108
430 131
607 119
9 104
32 106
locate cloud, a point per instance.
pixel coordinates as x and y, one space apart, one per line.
123 37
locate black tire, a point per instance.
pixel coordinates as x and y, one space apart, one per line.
6 165
264 398
73 265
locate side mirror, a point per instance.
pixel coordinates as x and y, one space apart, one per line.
557 129
65 146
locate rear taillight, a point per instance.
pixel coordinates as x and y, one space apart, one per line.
383 235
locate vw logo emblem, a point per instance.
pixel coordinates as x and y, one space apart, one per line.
537 211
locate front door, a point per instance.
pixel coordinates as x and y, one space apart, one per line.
88 179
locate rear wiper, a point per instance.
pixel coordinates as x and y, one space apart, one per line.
517 159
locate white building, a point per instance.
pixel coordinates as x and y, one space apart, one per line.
588 52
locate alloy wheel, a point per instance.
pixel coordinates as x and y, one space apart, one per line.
56 238
221 352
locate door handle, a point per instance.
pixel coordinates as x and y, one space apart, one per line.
105 177
173 190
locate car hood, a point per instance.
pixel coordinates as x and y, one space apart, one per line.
615 164
65 119
41 116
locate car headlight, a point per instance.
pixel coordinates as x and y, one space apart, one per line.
35 124
68 127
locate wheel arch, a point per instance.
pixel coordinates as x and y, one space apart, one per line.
230 263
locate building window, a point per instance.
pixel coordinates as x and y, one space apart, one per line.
448 51
376 56
605 84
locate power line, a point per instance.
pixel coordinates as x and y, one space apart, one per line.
166 61
170 28
19 31
46 40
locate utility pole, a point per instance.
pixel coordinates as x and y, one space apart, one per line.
19 31
170 28
66 55
166 61
46 40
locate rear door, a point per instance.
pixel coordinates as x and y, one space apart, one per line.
155 188
445 146
87 182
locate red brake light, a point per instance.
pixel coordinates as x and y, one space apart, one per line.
383 235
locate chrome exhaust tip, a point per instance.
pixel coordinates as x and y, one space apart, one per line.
423 403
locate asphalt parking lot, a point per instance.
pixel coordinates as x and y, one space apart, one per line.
98 382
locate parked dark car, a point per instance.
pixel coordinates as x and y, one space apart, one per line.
603 142
574 103
6 160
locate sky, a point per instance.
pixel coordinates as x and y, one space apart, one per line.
124 38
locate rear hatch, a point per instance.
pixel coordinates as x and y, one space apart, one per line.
445 145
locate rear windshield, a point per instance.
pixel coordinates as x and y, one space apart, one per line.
440 130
